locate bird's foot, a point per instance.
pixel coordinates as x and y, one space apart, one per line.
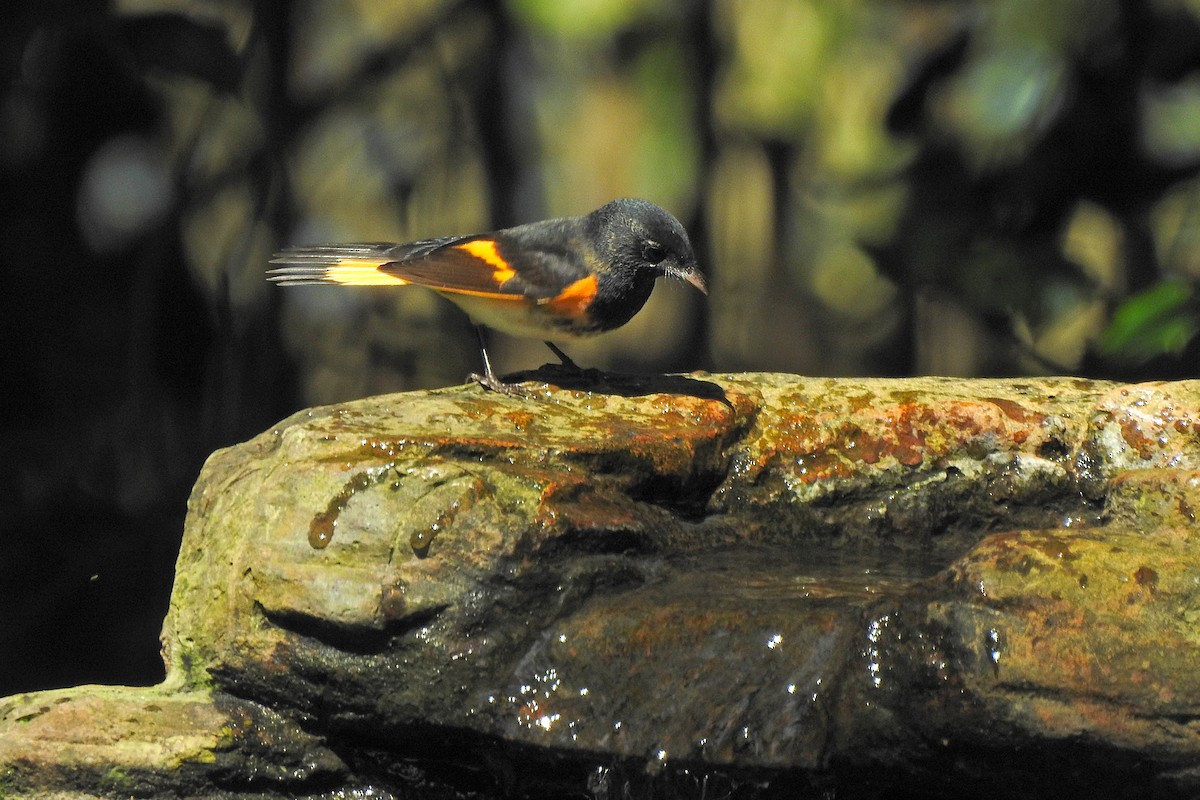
494 384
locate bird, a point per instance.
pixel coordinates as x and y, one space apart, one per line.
555 279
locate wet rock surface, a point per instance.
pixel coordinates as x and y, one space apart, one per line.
746 585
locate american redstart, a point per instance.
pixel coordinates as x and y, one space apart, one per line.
559 278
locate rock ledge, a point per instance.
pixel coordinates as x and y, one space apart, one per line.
748 582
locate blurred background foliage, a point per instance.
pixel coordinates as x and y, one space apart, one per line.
894 187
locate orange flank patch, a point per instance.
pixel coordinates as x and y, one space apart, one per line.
485 250
352 272
574 300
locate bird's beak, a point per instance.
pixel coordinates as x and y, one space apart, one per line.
692 276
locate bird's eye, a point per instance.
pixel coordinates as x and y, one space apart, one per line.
653 252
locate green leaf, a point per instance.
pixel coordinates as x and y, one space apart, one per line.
1159 320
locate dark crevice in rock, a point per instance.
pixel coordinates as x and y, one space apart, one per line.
356 639
1075 769
441 762
1054 449
688 499
583 542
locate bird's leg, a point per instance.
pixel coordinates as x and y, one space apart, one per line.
488 379
563 357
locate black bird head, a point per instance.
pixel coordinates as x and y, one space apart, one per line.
646 240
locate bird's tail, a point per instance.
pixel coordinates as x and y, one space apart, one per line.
344 264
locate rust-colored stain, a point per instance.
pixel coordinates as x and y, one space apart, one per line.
859 402
575 504
421 540
669 444
827 445
320 530
1185 425
1145 576
870 448
1015 411
520 420
1131 432
1148 430
557 490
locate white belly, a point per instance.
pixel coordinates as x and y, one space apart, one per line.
516 317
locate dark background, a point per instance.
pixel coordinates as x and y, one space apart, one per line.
975 188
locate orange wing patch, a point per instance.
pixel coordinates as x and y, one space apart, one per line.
574 300
485 250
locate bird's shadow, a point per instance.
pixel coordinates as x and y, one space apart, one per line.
620 383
